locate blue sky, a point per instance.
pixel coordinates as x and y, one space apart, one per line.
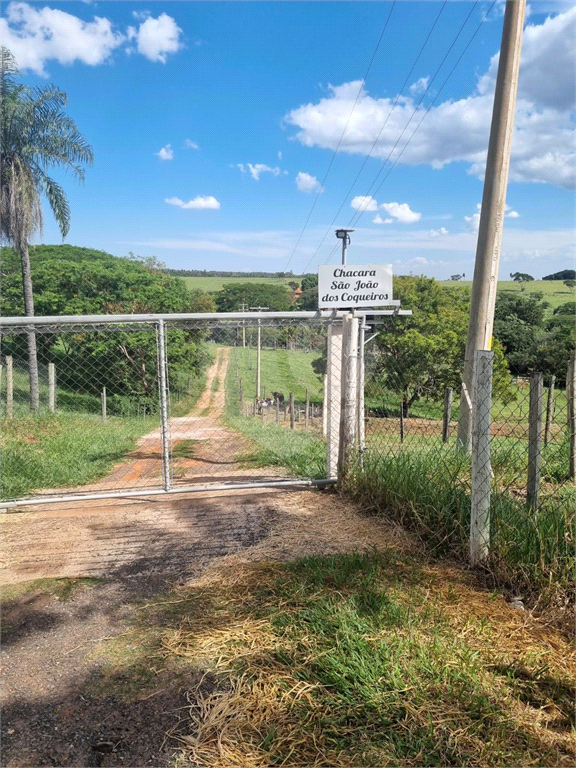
239 135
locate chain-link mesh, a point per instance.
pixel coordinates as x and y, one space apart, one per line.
226 402
519 474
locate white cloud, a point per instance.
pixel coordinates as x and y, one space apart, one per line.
256 169
155 38
401 212
199 203
191 144
279 155
35 36
420 85
307 183
364 203
473 221
38 35
543 146
438 232
166 153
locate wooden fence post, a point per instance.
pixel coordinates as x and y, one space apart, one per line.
9 388
401 422
291 410
571 398
277 409
51 387
534 439
549 409
447 414
481 468
103 400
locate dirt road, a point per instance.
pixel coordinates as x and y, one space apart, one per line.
61 703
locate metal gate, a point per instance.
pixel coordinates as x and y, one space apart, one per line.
139 405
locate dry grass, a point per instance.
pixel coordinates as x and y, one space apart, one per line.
340 659
260 711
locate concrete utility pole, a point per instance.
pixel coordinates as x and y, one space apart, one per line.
485 280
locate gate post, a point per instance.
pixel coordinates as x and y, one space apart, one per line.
333 397
349 405
163 393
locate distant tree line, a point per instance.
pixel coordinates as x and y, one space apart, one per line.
220 273
565 274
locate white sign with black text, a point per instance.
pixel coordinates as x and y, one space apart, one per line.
355 285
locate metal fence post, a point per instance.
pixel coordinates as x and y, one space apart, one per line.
571 397
549 409
292 410
481 469
307 410
163 392
447 414
103 403
9 388
51 387
534 440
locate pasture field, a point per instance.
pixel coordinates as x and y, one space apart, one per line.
213 284
555 292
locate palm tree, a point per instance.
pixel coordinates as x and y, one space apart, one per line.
35 135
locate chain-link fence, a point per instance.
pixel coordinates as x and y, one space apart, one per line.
173 403
161 405
505 492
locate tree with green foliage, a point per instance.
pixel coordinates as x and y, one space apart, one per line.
557 342
518 323
521 277
308 300
564 274
35 135
421 355
570 283
79 281
234 296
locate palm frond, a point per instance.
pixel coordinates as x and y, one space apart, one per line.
35 136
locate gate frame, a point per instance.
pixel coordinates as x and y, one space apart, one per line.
335 367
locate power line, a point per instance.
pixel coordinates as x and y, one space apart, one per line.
379 134
356 217
341 137
362 210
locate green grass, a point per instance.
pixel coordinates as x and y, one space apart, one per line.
301 454
428 491
282 370
60 589
359 659
213 284
555 292
64 449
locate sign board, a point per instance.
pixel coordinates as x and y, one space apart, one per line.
355 285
